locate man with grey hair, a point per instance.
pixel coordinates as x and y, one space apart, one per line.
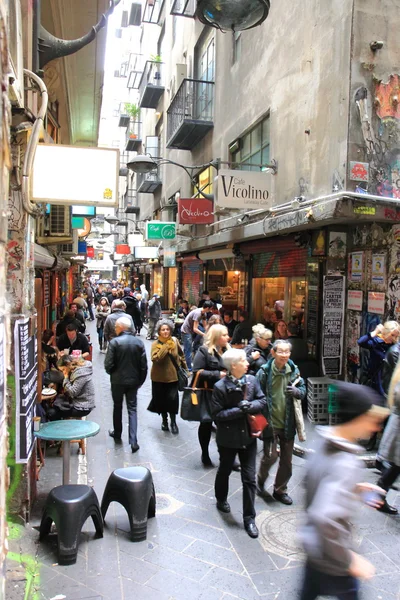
126 363
118 308
281 382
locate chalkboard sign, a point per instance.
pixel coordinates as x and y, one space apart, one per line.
26 373
312 313
332 324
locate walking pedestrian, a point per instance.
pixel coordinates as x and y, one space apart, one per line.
281 382
102 311
166 352
257 352
126 363
88 291
132 307
154 315
332 498
190 328
117 310
234 397
209 360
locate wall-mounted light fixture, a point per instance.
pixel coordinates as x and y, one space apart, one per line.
232 15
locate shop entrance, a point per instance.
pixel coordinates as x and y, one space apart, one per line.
285 296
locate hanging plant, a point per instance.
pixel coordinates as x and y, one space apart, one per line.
132 110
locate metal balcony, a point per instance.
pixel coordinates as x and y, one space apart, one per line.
190 114
151 86
123 120
183 8
135 70
148 183
152 11
133 136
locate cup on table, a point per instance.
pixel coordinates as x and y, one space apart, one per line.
66 351
36 423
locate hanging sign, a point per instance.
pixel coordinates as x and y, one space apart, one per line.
332 324
244 189
195 211
159 230
170 257
90 252
25 355
376 303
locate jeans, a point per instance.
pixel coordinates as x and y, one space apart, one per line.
90 309
321 584
118 392
55 413
100 336
247 458
151 327
270 456
187 341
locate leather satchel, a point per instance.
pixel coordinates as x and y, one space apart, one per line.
195 402
257 423
183 378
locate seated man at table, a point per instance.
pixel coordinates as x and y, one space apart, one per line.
72 340
78 399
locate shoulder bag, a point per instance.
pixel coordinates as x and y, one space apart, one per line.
195 402
257 423
181 373
298 416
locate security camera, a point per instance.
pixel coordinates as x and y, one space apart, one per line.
376 46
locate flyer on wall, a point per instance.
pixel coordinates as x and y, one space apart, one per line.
332 324
356 266
378 269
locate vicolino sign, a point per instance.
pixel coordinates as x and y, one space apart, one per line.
244 189
159 230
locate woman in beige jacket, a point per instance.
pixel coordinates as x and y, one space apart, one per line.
166 351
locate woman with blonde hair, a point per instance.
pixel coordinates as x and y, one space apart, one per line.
209 360
389 448
257 352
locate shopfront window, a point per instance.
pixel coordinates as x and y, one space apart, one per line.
254 147
228 286
283 296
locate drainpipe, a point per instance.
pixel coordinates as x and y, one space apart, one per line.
28 206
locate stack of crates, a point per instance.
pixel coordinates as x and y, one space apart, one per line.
317 400
333 408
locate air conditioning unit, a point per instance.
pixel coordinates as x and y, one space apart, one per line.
60 221
15 56
70 249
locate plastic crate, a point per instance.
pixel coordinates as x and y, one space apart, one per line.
317 388
317 412
334 419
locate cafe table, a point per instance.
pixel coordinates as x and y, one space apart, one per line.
65 431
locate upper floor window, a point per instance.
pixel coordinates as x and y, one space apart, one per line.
253 147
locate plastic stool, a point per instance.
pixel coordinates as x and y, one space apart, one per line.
68 506
133 488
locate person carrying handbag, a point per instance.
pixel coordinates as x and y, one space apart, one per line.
168 358
236 398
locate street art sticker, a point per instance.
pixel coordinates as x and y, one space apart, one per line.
393 291
359 171
337 244
353 349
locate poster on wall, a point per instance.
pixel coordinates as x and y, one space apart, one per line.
393 287
313 269
337 244
378 269
25 350
332 324
356 266
2 367
354 299
376 303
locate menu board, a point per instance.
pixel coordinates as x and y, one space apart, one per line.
26 373
46 288
312 306
332 324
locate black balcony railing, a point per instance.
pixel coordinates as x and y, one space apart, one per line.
183 8
190 114
152 11
133 136
148 183
151 86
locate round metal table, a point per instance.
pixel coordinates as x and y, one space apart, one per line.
65 431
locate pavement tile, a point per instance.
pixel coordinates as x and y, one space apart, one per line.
215 555
206 533
182 483
136 569
174 541
135 591
200 515
182 588
274 581
226 580
179 563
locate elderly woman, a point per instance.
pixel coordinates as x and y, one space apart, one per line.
233 398
257 352
166 354
102 311
79 396
208 360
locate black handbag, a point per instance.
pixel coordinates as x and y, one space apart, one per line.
195 405
183 378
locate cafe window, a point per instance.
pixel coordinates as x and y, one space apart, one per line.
253 147
286 296
204 181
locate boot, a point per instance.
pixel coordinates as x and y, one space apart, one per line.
174 426
164 424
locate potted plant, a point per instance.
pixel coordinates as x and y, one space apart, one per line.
156 60
133 110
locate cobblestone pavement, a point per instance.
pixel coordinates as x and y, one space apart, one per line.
192 551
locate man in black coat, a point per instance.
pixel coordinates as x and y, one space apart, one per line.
132 307
72 340
69 317
126 363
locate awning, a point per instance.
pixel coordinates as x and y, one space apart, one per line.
43 258
215 254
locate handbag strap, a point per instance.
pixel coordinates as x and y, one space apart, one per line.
196 378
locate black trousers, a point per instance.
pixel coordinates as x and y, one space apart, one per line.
247 459
118 392
318 584
388 477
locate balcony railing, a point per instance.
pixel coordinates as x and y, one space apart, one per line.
152 11
148 183
135 70
190 114
133 136
152 85
183 8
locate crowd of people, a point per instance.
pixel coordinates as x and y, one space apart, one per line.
240 374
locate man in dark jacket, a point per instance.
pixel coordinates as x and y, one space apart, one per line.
126 363
234 397
68 318
72 340
78 312
132 307
154 315
242 333
281 382
117 310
